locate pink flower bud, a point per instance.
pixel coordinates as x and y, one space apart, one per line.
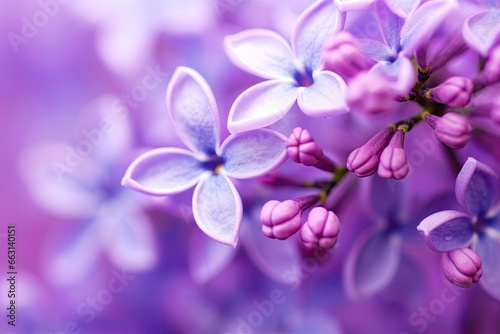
462 267
364 160
393 160
455 92
341 55
453 130
321 229
280 220
371 93
301 148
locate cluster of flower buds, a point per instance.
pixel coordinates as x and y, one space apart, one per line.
455 92
462 267
302 149
384 153
452 129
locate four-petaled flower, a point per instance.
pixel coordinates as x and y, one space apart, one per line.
217 206
476 190
295 72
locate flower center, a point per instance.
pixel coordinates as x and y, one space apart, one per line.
214 164
303 78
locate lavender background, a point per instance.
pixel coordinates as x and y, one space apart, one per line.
178 281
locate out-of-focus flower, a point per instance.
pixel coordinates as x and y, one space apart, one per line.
295 72
482 28
217 205
476 190
371 93
462 267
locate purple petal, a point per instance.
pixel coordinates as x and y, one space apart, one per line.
446 230
262 105
488 248
372 263
476 187
163 171
126 235
376 50
261 52
400 74
193 111
217 209
254 153
273 258
402 8
325 97
348 5
481 30
313 27
423 22
391 25
207 258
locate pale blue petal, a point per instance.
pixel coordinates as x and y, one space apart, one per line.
488 249
391 25
376 50
261 52
372 263
313 27
400 74
403 8
192 109
262 105
447 230
481 30
422 24
217 208
207 257
254 153
476 187
325 97
164 171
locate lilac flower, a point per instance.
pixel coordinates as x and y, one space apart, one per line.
217 206
482 28
295 72
402 33
476 190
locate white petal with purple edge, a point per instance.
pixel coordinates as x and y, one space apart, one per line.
476 187
207 257
262 105
164 171
482 29
372 263
325 97
447 230
254 153
400 74
261 52
192 109
217 208
347 5
423 22
488 248
313 27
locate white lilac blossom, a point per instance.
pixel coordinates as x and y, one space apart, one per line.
217 206
294 73
477 227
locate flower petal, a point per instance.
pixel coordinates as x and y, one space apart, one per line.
325 97
476 187
126 235
423 22
254 153
400 74
217 208
261 52
348 5
372 263
403 8
481 30
207 258
446 230
488 249
376 50
261 105
313 27
163 171
193 111
390 24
